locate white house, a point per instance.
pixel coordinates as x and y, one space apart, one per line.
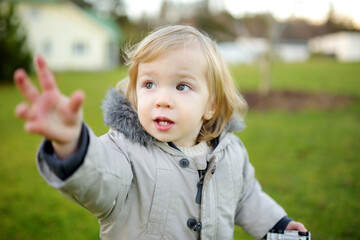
248 50
345 46
293 51
234 53
69 37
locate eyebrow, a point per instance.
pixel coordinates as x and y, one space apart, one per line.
182 74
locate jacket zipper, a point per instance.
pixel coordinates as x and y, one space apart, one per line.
199 191
200 185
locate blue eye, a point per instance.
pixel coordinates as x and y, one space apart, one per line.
183 87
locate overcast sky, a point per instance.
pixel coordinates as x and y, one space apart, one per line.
315 10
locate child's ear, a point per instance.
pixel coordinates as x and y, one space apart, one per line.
209 113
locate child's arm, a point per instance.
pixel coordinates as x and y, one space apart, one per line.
257 206
51 114
91 172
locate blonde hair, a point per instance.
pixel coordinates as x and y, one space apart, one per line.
222 91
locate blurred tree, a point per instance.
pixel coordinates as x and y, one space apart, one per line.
219 26
300 29
14 52
256 24
297 28
134 32
82 3
266 60
164 10
336 22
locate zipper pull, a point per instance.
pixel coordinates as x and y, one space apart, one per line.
199 191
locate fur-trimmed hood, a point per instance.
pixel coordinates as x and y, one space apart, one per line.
120 115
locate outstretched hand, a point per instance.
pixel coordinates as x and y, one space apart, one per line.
50 113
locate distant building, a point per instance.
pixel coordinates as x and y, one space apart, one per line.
248 50
345 46
293 51
234 53
69 37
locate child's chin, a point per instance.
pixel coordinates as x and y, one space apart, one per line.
163 139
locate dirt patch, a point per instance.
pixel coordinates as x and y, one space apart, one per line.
296 101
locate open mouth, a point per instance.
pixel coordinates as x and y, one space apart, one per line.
163 124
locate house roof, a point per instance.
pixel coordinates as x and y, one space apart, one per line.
107 22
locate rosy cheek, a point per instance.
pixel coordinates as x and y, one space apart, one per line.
142 120
142 109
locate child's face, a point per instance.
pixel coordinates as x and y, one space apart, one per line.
172 97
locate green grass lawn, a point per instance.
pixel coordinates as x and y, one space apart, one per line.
308 161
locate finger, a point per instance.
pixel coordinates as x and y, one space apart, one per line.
26 87
23 111
70 110
302 228
296 226
76 101
33 127
46 77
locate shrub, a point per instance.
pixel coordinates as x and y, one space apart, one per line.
14 52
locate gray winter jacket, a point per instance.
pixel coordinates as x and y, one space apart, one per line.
140 188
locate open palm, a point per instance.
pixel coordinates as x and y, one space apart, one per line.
49 113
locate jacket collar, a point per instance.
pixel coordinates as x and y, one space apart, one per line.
119 115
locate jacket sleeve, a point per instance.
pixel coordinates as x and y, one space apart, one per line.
66 167
256 211
99 183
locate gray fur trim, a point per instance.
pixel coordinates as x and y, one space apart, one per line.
119 115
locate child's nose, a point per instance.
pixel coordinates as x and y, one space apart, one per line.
164 99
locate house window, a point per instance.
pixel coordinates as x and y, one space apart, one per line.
47 48
34 13
80 49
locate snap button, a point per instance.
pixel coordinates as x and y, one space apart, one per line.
194 225
113 134
184 163
191 222
213 170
